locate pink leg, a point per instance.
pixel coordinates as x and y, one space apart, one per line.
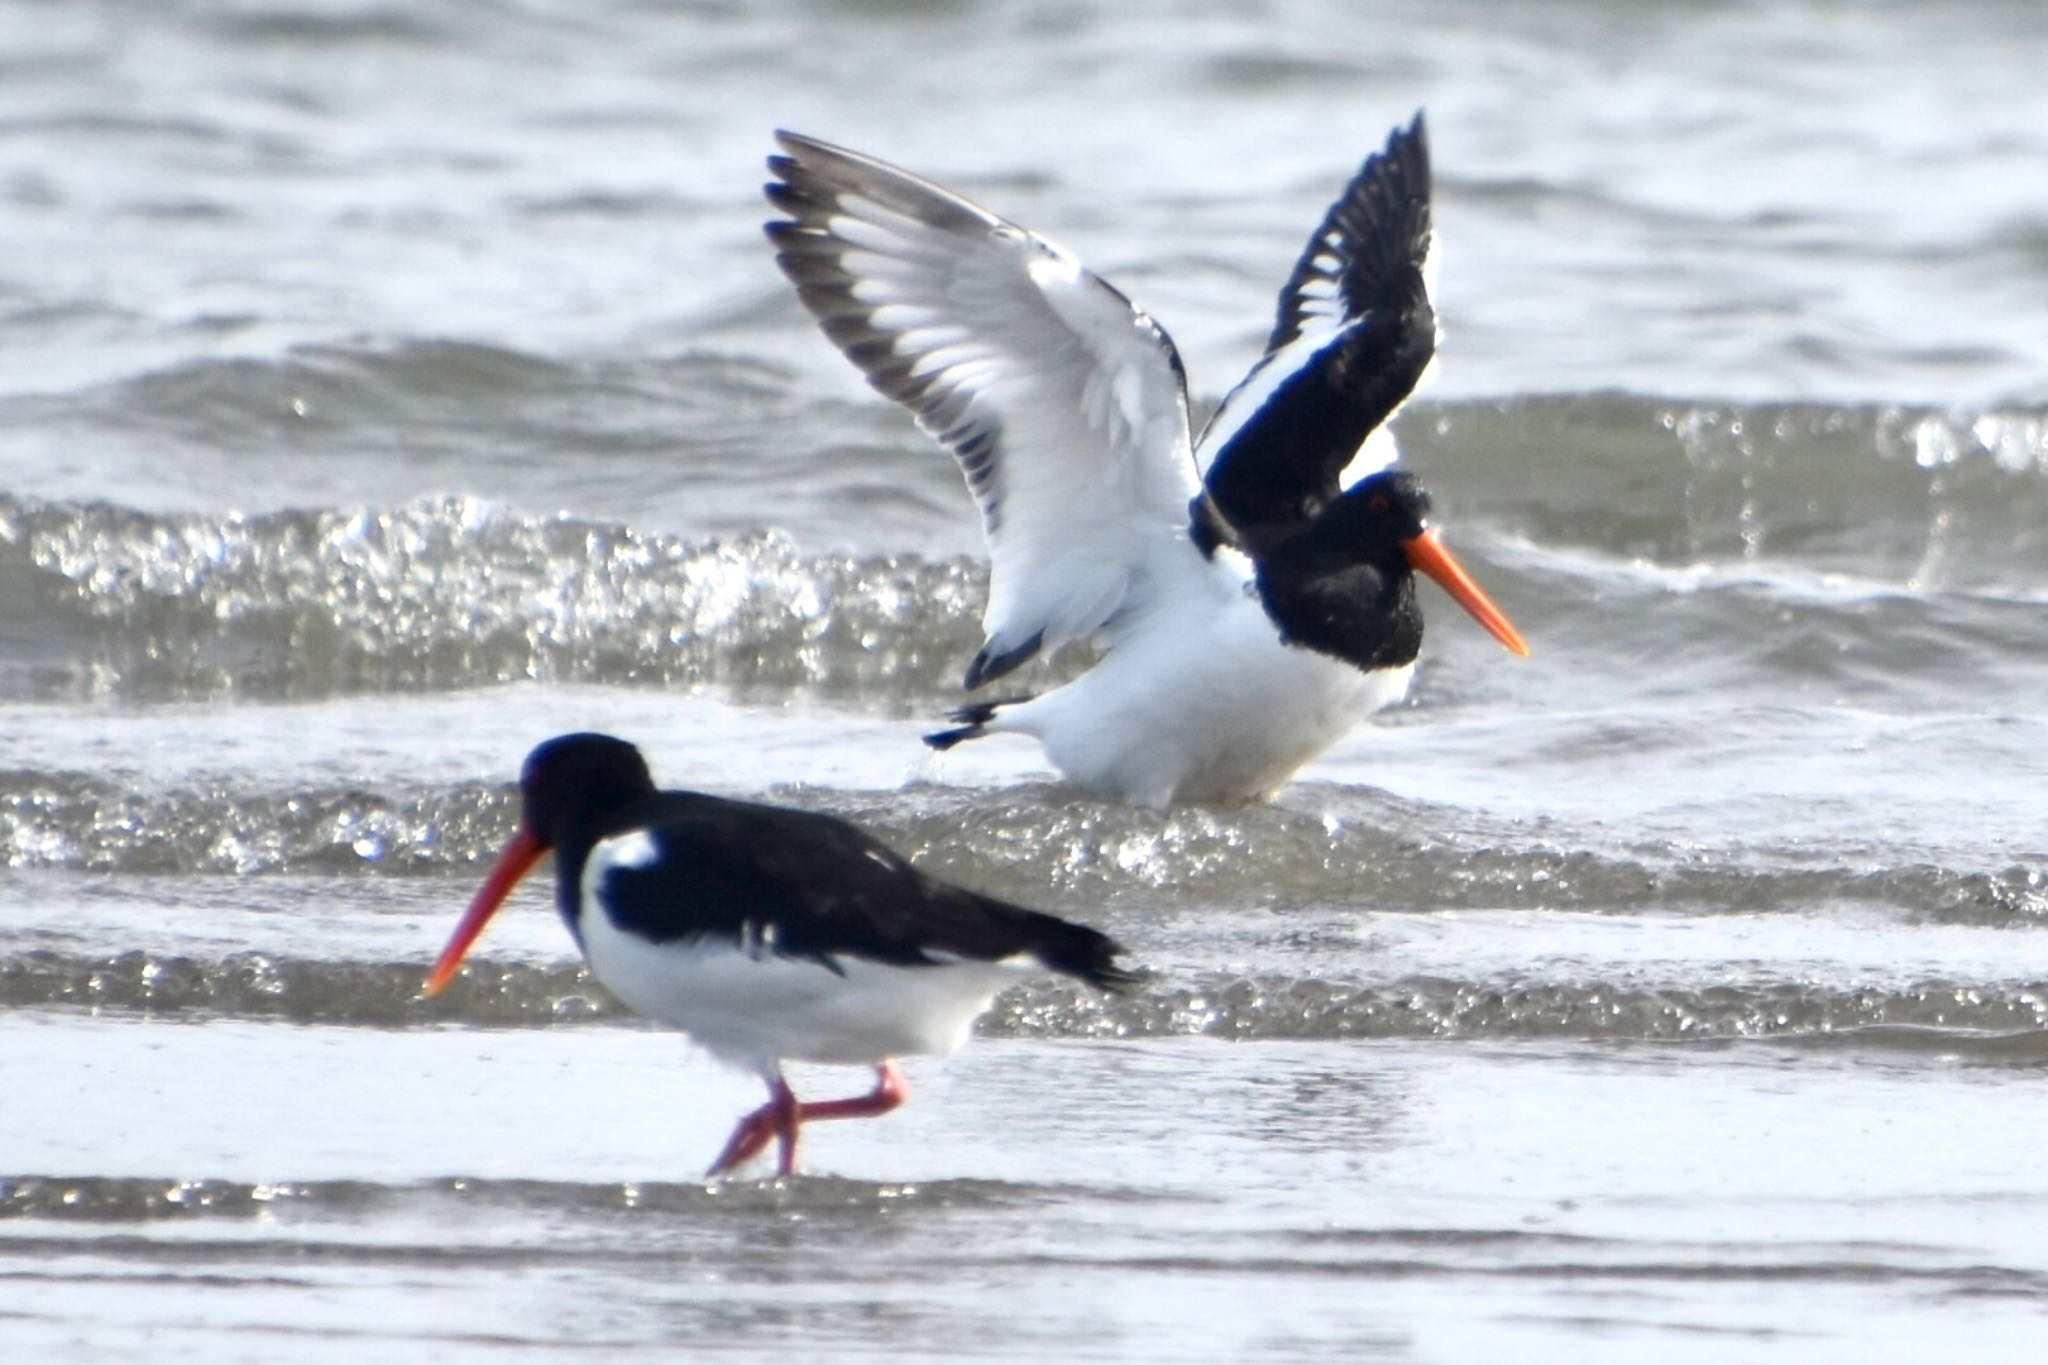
783 1114
890 1090
775 1119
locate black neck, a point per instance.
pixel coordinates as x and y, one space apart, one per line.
1323 596
575 838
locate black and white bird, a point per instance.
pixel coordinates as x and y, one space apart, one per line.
1248 607
767 935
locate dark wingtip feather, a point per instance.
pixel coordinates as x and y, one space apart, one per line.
973 720
943 740
1380 222
987 667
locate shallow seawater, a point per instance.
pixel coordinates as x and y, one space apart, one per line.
384 391
1297 1199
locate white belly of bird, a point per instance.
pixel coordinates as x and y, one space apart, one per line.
1213 709
754 1009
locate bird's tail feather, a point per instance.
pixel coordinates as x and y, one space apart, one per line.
1083 953
973 721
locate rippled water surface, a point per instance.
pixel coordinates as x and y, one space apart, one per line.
385 389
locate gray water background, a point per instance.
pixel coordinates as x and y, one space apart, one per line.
385 388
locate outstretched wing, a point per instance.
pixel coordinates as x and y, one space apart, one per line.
1065 405
1355 333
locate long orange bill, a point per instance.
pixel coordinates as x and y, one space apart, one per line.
1427 554
518 858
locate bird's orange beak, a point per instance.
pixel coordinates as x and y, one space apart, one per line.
517 859
1426 554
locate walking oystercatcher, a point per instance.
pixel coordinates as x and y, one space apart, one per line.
1247 616
766 934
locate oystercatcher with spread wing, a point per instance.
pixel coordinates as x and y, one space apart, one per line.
1249 608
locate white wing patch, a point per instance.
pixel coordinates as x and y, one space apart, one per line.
1064 404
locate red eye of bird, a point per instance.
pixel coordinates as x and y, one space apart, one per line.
1378 502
